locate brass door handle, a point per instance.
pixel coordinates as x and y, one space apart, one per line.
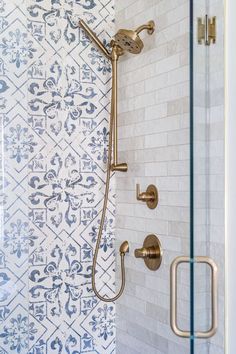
173 297
150 197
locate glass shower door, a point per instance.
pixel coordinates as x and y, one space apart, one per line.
207 176
206 261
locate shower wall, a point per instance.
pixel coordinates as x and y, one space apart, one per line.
154 141
54 109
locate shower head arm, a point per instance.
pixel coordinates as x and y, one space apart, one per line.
97 41
150 27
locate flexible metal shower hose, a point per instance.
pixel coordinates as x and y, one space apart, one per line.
104 209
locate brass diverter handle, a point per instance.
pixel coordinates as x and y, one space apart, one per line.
150 197
151 252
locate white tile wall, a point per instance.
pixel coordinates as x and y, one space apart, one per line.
154 141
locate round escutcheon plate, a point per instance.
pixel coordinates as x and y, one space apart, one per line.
151 189
154 261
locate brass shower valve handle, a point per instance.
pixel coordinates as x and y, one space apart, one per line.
151 252
146 252
144 196
150 197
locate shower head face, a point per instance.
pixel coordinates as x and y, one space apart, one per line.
129 41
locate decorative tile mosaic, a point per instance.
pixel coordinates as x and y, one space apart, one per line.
54 110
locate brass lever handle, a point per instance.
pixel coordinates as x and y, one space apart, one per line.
150 196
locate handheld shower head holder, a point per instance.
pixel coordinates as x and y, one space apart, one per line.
116 49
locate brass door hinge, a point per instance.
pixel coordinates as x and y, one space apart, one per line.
206 30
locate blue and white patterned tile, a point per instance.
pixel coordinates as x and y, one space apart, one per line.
62 191
6 7
55 109
8 195
61 281
100 324
57 22
20 331
11 285
45 24
18 48
10 93
64 340
108 235
96 144
20 238
21 142
46 95
87 344
68 106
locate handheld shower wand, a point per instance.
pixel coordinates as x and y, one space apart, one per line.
96 40
113 57
130 41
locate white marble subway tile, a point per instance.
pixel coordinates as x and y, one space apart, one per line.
154 140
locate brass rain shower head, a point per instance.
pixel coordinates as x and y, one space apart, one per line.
130 41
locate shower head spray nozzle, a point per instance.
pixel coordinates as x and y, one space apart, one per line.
130 41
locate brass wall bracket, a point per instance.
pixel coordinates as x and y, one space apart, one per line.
151 252
150 197
206 30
